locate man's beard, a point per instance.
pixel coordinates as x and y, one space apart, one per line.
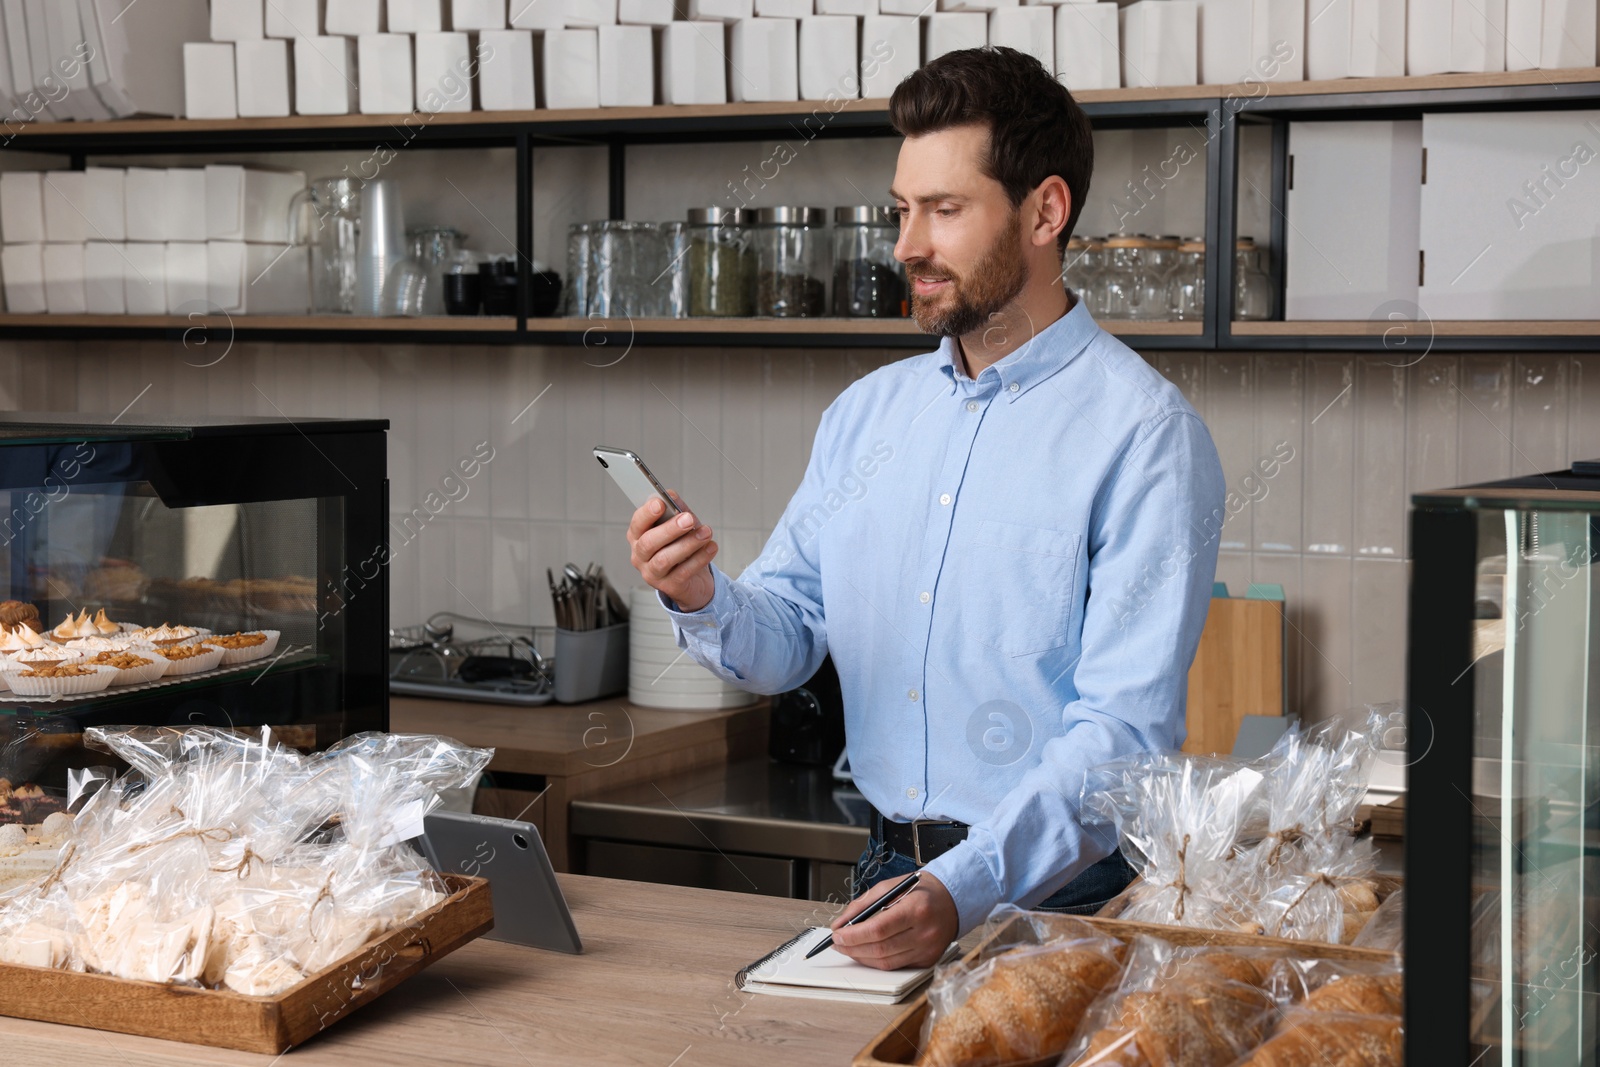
968 301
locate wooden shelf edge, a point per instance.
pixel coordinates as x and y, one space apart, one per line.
417 121
1413 330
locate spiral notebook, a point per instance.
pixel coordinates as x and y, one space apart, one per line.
830 975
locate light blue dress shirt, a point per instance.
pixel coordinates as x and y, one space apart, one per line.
1011 574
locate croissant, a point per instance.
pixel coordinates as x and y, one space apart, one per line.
1317 1039
1360 994
1206 1014
1028 1008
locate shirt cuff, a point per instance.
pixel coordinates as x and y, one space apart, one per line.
973 888
709 620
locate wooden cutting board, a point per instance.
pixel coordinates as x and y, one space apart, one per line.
1237 671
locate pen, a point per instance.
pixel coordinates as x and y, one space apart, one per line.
872 909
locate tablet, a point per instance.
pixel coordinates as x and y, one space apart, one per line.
529 908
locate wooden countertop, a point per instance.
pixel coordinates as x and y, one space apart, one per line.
569 739
654 988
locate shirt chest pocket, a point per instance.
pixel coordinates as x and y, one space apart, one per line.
1019 587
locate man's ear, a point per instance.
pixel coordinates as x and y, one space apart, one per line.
1053 208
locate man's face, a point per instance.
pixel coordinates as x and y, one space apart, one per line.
960 237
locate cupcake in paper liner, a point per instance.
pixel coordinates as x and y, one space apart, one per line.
166 635
48 656
190 658
66 679
133 666
92 646
244 646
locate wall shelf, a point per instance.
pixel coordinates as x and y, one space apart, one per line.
1219 110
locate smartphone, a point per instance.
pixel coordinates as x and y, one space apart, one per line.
629 472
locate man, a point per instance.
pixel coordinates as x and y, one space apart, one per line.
1007 545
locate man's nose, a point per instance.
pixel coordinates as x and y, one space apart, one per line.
912 242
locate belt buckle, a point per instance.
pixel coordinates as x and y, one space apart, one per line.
916 840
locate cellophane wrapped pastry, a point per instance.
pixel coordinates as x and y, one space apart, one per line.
1340 1012
1177 1006
233 862
1024 998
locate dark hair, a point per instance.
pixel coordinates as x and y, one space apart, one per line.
1035 127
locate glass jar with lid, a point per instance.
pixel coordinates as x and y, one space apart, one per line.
1124 263
1158 256
792 252
1252 289
1186 285
720 263
867 281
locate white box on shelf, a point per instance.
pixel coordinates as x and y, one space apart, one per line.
975 5
68 41
951 31
1027 29
720 10
859 8
236 20
1332 269
1159 45
1524 33
1569 37
828 60
104 278
580 13
644 12
383 73
417 16
22 207
764 59
352 18
105 192
444 69
627 66
144 199
571 68
914 8
263 77
325 75
184 204
144 286
258 279
1355 39
693 70
294 18
891 49
1087 54
22 267
1455 36
505 70
186 277
209 83
1532 250
66 199
786 9
1277 41
249 204
136 45
1225 38
477 14
63 279
536 15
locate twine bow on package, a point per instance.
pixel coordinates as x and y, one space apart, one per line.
1263 847
232 862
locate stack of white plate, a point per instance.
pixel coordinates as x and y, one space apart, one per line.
662 675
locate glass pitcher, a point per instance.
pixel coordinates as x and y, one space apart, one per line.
327 216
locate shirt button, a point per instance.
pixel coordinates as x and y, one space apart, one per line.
911 794
924 598
912 693
1013 387
944 498
972 405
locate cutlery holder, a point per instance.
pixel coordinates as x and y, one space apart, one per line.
590 663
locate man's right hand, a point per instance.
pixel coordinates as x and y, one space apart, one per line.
674 557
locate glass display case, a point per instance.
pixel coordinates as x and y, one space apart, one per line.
149 537
1503 812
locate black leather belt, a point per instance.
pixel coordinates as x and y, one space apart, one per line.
924 840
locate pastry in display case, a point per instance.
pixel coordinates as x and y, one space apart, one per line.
1503 813
227 574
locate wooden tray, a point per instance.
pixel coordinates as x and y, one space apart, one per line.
225 1019
897 1043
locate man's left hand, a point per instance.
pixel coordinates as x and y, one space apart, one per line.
914 931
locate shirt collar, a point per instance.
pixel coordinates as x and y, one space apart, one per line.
1051 349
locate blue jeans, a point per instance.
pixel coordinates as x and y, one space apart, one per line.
1084 895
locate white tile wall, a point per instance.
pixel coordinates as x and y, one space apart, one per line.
731 429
